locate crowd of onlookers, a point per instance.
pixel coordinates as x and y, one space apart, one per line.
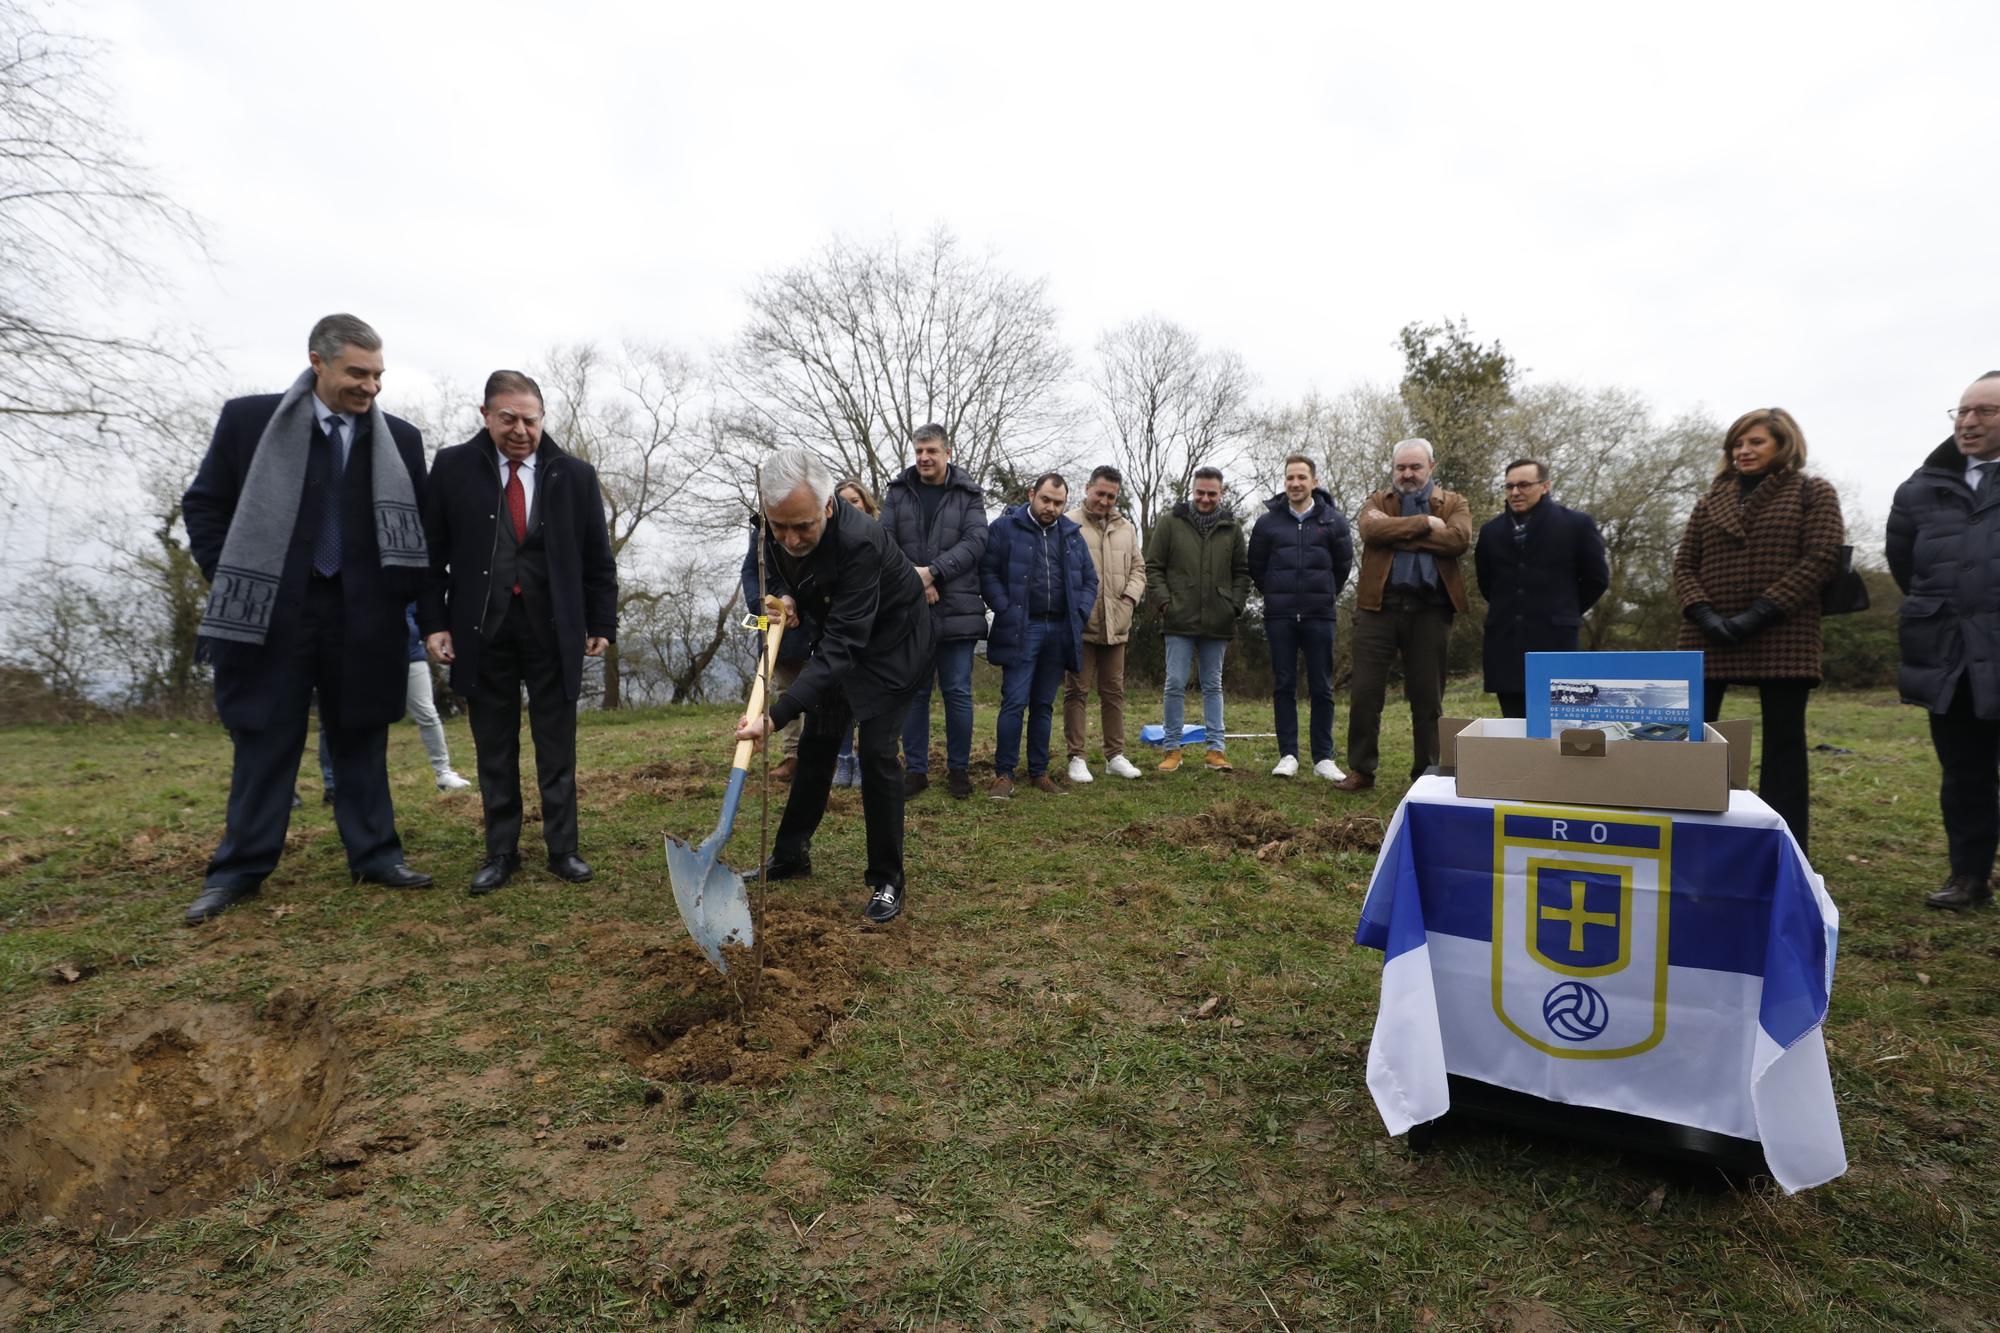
324 535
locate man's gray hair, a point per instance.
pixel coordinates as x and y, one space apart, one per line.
785 470
338 331
1430 454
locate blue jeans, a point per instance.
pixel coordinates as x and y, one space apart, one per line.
1030 685
1290 636
1183 650
954 682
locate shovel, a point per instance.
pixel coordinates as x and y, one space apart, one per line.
713 904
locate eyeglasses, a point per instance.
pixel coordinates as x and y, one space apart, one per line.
1521 485
508 420
1985 412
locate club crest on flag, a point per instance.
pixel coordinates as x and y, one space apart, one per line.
1580 909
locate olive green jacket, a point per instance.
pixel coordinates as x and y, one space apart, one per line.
1199 585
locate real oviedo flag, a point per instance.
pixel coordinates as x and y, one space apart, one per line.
1675 967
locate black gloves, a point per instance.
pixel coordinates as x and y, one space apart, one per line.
1718 628
1754 617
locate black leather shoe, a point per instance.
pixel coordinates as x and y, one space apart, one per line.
215 899
959 783
1959 892
398 876
778 868
492 873
570 866
886 905
915 784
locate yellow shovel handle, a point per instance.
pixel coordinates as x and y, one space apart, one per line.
774 631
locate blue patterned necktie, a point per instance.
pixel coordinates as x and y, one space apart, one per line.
326 547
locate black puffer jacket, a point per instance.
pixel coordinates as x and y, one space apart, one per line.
951 546
1300 567
1944 553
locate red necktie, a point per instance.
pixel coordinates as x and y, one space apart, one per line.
517 505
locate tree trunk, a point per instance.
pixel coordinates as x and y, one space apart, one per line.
611 694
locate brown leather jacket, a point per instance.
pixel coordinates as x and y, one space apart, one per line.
1384 531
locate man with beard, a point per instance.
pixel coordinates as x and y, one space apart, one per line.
1540 567
937 515
1198 579
524 587
1412 535
843 576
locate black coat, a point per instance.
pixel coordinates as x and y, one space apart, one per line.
1536 593
1300 567
369 687
462 517
873 637
951 546
1944 553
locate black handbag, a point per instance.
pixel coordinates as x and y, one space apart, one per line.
1846 592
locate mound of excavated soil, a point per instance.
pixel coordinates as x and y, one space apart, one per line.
172 1111
812 966
1267 834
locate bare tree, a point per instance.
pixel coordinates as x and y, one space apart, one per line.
75 211
635 419
1637 476
682 628
851 351
1349 436
1168 407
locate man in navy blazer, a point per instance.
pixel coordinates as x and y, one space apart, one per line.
1540 567
332 592
524 586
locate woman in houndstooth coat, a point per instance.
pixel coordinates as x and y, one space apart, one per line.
1758 548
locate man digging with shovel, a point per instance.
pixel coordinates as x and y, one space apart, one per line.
836 570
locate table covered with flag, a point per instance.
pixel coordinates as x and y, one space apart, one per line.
1668 965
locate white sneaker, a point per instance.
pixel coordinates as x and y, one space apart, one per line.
450 781
1079 771
1329 770
1287 766
1122 766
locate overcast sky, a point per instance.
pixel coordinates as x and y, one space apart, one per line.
1722 206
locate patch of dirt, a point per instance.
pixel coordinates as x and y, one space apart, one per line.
171 1112
663 780
1269 835
812 966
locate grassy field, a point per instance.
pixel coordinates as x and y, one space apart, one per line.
1107 1072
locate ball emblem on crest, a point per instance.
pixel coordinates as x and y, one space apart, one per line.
1574 1011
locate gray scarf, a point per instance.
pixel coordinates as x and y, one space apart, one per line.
1205 523
244 593
1415 571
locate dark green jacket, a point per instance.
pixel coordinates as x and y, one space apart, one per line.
1198 584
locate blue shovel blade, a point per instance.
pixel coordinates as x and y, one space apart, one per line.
714 907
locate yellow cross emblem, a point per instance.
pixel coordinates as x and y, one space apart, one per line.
1577 917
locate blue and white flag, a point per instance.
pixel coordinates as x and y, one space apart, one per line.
1675 967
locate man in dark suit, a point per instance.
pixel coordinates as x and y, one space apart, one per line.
1540 567
524 587
873 642
304 519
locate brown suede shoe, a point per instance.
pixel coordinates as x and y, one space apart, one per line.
1047 784
1960 892
1172 763
1217 761
1355 781
1001 790
782 771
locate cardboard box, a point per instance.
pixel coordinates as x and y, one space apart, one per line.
1495 759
